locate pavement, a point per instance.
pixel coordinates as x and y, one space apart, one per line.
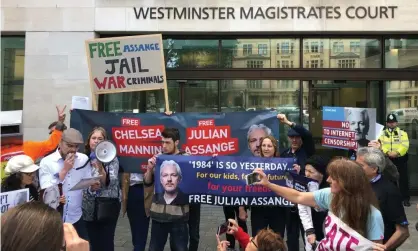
212 216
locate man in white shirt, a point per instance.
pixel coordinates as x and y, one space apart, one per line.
68 167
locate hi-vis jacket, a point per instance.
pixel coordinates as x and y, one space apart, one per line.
394 141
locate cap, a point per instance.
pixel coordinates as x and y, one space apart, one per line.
72 136
20 164
391 118
292 133
319 163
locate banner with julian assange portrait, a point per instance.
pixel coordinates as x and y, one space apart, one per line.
222 180
138 135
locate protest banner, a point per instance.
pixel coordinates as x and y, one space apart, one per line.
221 180
12 199
339 236
126 64
348 127
137 136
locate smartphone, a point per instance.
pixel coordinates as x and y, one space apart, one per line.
252 178
223 228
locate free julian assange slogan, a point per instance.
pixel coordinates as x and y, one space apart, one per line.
268 12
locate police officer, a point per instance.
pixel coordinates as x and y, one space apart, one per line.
395 145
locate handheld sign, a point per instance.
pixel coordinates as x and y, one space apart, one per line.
126 64
12 199
51 196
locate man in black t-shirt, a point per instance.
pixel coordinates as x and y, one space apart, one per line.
390 200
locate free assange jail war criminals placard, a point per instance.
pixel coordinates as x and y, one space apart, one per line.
137 136
125 64
221 180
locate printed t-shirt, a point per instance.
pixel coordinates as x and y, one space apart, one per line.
375 226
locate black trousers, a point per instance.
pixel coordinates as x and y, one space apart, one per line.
273 217
194 227
231 212
402 166
293 228
102 234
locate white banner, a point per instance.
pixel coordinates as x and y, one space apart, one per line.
339 236
14 198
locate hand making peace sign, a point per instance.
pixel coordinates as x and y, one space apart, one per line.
61 113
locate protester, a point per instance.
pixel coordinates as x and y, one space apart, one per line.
265 240
395 145
273 217
21 173
302 146
12 146
101 231
67 166
175 221
255 134
34 226
390 171
350 197
38 149
312 218
134 197
390 200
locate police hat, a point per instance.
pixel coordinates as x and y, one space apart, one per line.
391 118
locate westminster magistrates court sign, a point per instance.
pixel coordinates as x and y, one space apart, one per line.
268 12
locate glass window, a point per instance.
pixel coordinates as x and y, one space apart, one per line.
262 49
330 93
401 53
247 49
12 72
237 53
375 99
146 101
201 96
341 53
255 64
279 95
191 53
402 100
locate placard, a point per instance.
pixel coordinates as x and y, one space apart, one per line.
12 199
348 127
126 64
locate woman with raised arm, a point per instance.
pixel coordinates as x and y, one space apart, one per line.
350 198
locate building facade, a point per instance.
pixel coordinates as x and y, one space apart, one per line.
291 56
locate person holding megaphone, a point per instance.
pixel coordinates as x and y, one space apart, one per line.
101 207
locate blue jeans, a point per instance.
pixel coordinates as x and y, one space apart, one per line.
179 235
80 227
102 235
138 220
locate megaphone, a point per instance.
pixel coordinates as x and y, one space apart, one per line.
105 151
